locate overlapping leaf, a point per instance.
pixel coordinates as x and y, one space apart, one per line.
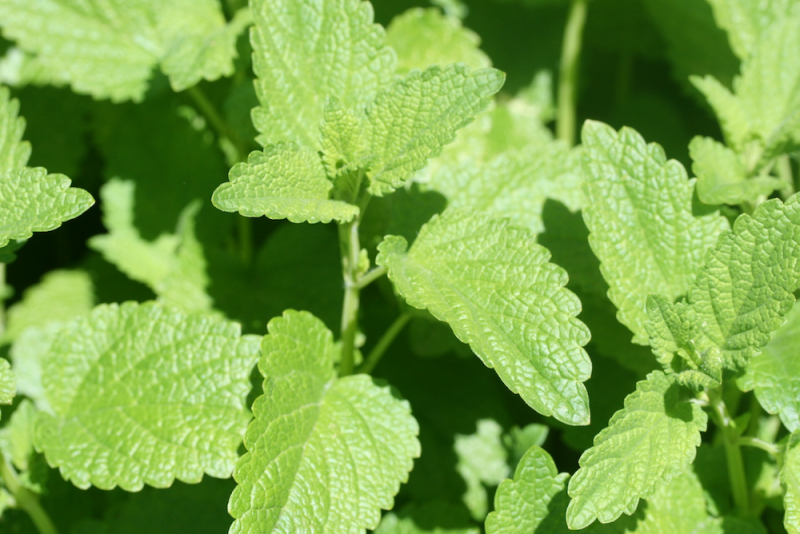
493 284
424 37
142 394
790 479
173 265
774 375
744 289
284 181
8 384
306 50
339 447
649 442
764 107
643 229
745 20
109 49
722 177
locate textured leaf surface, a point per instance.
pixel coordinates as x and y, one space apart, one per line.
412 120
306 50
765 103
144 394
790 479
494 286
523 504
639 213
30 199
744 290
746 20
282 182
33 201
433 517
173 265
109 49
8 385
482 460
425 37
515 184
722 178
59 297
647 443
339 447
775 373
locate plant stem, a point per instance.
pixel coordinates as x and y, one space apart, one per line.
371 276
733 452
384 343
216 121
26 500
348 239
568 78
749 441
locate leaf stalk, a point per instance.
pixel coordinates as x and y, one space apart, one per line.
568 78
26 500
351 248
733 453
384 343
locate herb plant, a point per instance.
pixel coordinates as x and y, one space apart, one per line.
411 307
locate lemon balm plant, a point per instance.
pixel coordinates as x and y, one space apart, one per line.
455 299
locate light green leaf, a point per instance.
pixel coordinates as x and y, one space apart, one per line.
142 394
425 37
338 446
524 503
108 50
639 213
482 460
8 384
14 152
493 284
790 479
173 265
59 297
411 121
306 50
27 353
284 181
30 199
515 184
33 201
209 56
744 290
344 145
16 438
775 373
649 442
722 177
764 107
433 517
746 20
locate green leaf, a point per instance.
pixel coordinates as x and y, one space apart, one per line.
16 443
8 384
14 152
649 442
722 177
339 446
342 138
744 290
515 184
490 281
59 297
764 107
27 353
482 460
790 479
523 504
145 394
411 121
639 213
34 201
745 20
775 373
425 37
306 50
284 181
433 517
173 265
108 50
